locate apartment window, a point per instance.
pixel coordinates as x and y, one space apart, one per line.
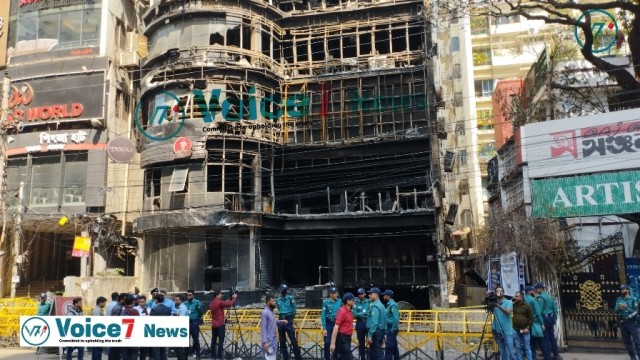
455 44
152 182
214 178
17 171
179 180
463 157
504 20
75 178
485 119
479 25
460 127
45 181
484 88
481 57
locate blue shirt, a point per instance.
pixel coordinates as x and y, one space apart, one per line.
502 322
361 309
286 305
393 315
537 309
632 307
329 312
549 305
377 318
182 310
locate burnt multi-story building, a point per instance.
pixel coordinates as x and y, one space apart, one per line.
288 141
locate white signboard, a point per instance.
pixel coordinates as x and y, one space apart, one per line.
100 331
586 144
509 273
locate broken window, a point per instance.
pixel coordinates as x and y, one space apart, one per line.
231 179
152 182
317 50
399 39
287 49
383 45
265 40
415 37
233 36
179 180
214 178
365 41
246 34
216 39
349 46
333 43
302 50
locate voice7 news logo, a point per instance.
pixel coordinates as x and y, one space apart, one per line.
603 27
35 331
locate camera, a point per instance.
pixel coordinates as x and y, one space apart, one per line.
233 291
490 301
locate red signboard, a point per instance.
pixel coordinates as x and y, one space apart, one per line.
182 146
63 305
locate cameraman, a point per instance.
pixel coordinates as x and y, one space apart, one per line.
501 325
217 321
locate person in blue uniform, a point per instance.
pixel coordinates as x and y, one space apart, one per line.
330 307
360 313
287 311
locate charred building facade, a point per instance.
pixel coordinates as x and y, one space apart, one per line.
288 141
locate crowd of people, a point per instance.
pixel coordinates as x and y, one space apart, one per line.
375 323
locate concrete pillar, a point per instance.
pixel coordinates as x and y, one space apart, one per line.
337 260
254 235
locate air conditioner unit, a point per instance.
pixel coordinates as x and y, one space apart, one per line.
449 161
129 59
451 214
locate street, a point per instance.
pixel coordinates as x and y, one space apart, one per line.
18 353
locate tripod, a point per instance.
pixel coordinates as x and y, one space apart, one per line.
243 350
500 330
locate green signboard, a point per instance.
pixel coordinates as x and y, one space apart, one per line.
598 194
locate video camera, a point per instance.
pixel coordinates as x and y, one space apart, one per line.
490 301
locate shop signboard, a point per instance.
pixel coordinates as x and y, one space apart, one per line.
586 195
56 99
586 144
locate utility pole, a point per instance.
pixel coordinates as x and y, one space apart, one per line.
17 242
4 112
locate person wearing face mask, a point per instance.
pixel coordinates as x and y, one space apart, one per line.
627 310
287 311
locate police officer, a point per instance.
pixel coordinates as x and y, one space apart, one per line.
360 312
330 307
391 350
287 311
194 307
376 325
549 316
627 309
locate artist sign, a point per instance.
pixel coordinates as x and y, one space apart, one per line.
596 194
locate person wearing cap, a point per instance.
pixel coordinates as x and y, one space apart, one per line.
341 336
360 312
44 307
627 309
330 307
287 311
537 340
217 321
549 316
376 325
195 320
391 350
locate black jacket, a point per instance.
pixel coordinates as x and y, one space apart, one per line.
160 310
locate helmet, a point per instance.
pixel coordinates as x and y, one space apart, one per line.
283 287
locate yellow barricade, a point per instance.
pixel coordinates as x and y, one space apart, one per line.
423 334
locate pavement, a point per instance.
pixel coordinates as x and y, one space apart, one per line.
18 353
